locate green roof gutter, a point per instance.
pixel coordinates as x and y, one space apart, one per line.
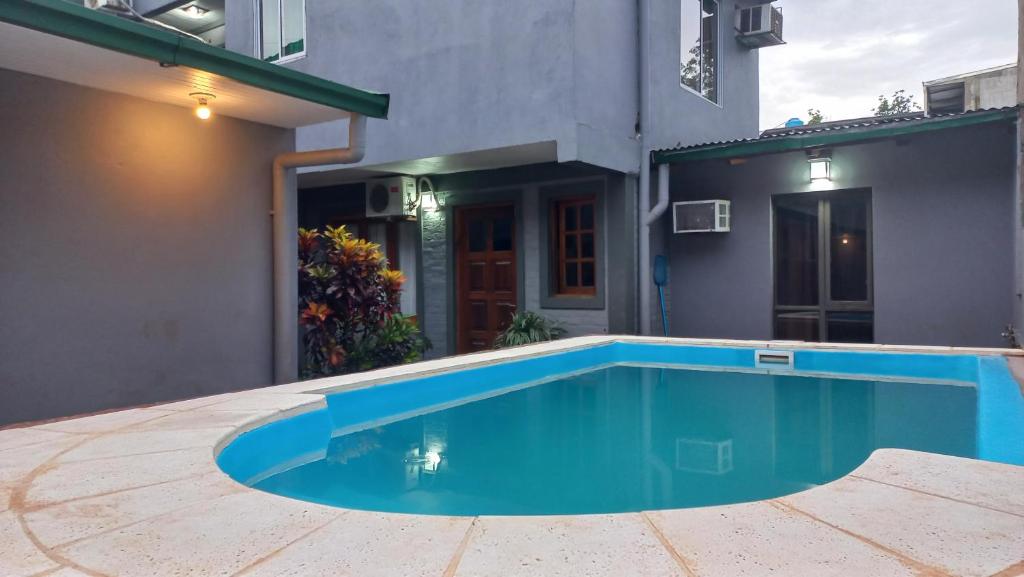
838 137
75 22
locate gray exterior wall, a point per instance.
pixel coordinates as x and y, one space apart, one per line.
944 225
134 250
522 187
467 76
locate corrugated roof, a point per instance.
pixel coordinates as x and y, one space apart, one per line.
828 133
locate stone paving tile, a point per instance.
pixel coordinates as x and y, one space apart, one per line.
202 419
18 555
104 422
200 402
82 518
17 438
17 463
355 544
266 401
948 535
218 537
142 442
67 572
65 481
992 485
579 546
756 539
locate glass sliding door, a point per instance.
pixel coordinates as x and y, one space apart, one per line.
822 256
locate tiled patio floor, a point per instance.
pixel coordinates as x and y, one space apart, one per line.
137 493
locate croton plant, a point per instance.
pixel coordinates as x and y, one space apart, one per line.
348 306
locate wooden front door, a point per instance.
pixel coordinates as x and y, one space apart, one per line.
485 256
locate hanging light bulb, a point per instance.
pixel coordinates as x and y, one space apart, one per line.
203 104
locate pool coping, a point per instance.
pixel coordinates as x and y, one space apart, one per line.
138 492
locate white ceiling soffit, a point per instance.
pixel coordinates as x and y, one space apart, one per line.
519 155
42 54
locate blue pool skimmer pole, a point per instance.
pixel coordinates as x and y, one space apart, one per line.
661 279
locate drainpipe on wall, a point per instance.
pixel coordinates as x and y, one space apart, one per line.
1018 217
647 218
285 240
646 215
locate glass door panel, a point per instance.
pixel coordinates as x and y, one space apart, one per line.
796 241
848 247
823 276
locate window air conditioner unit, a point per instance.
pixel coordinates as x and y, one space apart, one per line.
391 197
700 216
759 26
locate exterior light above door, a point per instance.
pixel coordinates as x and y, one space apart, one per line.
821 165
430 200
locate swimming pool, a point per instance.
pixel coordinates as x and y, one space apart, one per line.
629 426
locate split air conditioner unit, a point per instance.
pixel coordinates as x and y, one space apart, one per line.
700 216
391 197
759 26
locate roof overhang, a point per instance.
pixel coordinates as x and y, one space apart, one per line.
489 159
836 137
71 43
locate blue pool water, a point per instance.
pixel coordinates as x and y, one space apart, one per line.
626 437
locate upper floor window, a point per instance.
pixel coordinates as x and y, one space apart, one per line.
282 29
698 47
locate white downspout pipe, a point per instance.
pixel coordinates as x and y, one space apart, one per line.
647 218
285 241
646 215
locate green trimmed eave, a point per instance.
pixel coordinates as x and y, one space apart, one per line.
78 23
828 138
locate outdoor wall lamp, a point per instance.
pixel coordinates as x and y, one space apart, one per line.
821 165
430 199
202 104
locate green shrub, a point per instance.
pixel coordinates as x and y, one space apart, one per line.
528 327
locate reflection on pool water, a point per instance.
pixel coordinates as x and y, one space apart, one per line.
632 438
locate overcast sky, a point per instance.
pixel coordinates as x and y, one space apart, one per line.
841 54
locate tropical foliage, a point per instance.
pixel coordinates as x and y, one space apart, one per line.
348 306
900 103
528 327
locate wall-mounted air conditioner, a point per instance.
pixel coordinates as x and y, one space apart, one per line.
394 196
759 26
700 216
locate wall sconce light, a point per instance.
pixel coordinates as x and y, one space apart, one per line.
430 199
203 104
821 165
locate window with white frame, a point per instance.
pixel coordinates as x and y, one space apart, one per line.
282 29
698 47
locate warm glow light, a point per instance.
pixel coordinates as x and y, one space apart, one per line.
845 239
203 99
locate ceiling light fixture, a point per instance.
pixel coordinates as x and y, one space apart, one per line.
194 11
203 104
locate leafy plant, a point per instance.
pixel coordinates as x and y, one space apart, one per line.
900 103
814 116
348 306
528 327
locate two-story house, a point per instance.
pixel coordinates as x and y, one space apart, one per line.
507 174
